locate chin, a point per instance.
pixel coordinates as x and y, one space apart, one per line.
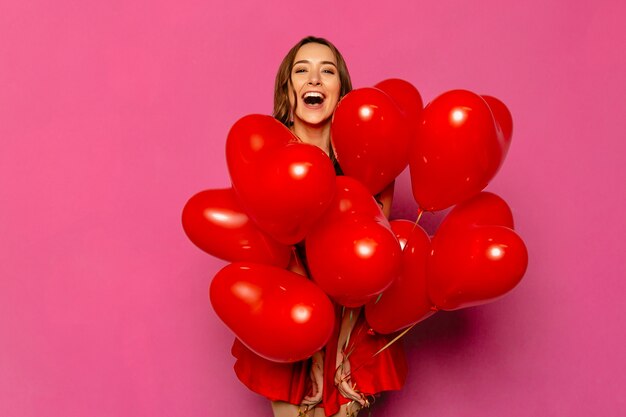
315 120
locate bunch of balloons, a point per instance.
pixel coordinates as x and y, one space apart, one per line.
285 192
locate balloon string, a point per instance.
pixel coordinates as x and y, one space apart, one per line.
420 211
349 324
419 216
395 339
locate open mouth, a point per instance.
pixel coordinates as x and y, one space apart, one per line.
313 98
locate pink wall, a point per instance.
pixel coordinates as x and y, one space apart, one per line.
113 113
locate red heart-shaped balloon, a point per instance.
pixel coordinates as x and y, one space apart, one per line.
279 315
216 223
458 150
406 301
484 208
353 260
476 256
408 99
370 138
284 185
252 136
474 265
352 253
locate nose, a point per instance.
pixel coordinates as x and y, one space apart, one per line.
314 78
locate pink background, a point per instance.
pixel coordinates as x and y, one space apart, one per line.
113 113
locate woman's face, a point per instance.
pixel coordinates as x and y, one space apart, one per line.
315 85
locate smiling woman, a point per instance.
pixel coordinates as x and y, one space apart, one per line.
315 85
311 80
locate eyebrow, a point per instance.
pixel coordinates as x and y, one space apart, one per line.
306 61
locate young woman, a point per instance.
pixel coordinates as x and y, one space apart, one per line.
341 379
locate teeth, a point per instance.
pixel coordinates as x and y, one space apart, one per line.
313 94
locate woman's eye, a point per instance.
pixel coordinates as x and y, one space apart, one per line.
329 71
298 70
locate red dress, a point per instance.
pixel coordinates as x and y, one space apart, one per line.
290 382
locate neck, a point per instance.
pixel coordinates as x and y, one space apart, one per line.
313 135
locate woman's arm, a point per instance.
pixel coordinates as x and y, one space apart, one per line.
317 360
343 370
317 380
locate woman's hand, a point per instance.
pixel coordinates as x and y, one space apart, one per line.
317 380
344 383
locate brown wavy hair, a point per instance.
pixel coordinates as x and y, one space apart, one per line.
282 108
